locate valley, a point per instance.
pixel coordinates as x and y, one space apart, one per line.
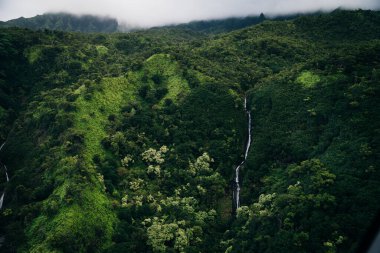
192 138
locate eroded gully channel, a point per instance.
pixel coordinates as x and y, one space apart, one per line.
236 188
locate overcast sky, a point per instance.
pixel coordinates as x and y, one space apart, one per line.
159 12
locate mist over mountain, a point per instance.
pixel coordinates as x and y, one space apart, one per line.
149 13
233 135
65 22
91 23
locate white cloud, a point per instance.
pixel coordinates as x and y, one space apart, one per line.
158 12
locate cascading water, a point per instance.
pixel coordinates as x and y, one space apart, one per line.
2 200
236 192
6 175
6 172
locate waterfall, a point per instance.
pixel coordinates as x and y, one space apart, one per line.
6 174
236 193
3 195
2 200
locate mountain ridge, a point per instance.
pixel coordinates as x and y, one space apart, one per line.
65 22
129 141
62 21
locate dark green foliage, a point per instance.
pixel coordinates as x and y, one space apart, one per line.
295 217
128 142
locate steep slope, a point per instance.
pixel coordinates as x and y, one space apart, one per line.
313 157
129 142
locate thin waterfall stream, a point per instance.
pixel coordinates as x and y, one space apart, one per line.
236 191
6 175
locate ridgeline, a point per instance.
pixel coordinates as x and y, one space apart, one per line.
127 142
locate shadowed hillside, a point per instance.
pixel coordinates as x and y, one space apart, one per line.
128 142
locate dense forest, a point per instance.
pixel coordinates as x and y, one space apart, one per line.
128 142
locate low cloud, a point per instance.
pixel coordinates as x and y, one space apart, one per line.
148 13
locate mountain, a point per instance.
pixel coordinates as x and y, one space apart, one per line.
65 22
129 142
221 25
216 26
88 23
